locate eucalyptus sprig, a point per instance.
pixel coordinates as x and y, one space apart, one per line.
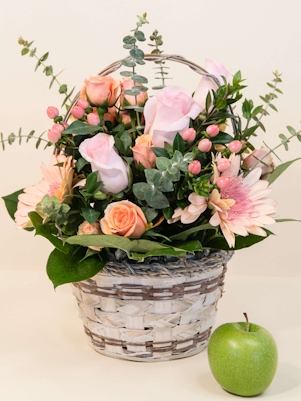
159 42
12 138
136 57
48 69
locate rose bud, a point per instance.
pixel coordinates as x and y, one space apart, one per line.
212 130
52 112
195 167
205 145
189 134
235 146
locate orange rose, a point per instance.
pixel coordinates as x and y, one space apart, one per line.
142 152
123 218
87 229
101 91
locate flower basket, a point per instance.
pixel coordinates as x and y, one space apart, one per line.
158 311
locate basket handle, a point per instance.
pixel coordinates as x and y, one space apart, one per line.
157 57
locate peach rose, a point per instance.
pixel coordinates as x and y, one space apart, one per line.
142 152
112 169
123 218
101 91
87 229
127 100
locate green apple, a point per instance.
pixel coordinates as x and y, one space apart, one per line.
243 357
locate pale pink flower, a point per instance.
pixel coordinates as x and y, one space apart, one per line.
57 181
259 158
90 229
198 204
169 112
242 207
207 84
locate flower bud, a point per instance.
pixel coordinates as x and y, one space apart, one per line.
205 145
194 167
212 130
235 146
189 134
52 112
58 127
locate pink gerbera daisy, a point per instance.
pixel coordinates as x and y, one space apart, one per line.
242 208
57 181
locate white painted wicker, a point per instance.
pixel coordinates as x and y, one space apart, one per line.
153 312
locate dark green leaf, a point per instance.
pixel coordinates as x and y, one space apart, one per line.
222 138
63 88
240 242
24 51
91 181
72 267
11 202
179 143
45 231
191 246
81 162
44 57
160 152
185 234
80 128
220 104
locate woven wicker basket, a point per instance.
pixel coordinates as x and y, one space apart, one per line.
153 312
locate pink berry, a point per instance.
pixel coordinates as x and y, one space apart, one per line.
189 134
235 146
54 135
223 182
212 130
223 165
84 104
195 167
205 145
77 112
52 112
64 124
58 127
93 119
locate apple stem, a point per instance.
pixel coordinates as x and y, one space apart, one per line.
247 322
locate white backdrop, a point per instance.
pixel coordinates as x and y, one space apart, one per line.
83 37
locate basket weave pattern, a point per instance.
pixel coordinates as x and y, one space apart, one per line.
155 311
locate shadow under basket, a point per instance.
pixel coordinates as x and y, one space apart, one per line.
158 311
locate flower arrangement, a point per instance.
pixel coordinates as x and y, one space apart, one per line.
144 176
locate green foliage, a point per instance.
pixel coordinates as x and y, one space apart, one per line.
74 266
157 39
48 69
13 137
11 202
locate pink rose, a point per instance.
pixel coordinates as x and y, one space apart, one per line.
87 229
207 84
127 100
266 165
112 170
168 113
142 152
101 91
123 218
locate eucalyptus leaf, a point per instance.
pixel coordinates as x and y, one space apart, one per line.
129 40
279 170
128 62
137 53
126 73
140 79
156 198
139 36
